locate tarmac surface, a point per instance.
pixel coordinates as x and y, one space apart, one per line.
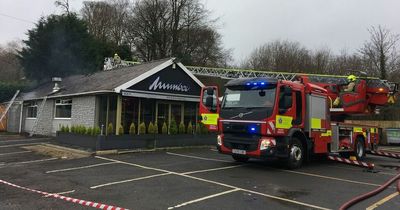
185 179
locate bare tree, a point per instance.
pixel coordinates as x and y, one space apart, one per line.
178 28
107 20
64 4
379 53
321 60
98 17
10 67
281 56
345 63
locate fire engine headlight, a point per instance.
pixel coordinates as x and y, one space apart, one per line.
219 140
266 143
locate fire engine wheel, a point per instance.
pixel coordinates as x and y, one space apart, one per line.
359 150
296 154
239 158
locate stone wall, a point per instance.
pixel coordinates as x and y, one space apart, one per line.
84 111
44 124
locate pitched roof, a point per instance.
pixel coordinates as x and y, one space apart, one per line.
103 81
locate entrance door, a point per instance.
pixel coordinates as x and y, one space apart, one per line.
162 115
167 110
176 113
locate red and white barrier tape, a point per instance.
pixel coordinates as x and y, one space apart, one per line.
386 154
352 162
69 199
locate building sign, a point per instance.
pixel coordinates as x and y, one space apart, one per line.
168 81
158 84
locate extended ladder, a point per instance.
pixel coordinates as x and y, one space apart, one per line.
239 73
230 73
39 113
9 106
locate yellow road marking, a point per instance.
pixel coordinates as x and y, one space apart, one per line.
382 201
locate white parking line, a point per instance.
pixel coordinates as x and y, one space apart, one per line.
213 169
331 178
31 161
217 183
17 145
81 167
214 150
23 140
203 198
129 180
14 153
59 193
151 176
304 173
200 158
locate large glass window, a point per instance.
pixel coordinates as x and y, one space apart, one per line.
63 108
32 110
107 111
190 112
130 108
147 111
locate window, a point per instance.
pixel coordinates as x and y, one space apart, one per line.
32 110
299 109
63 108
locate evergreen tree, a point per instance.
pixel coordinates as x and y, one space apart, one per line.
58 46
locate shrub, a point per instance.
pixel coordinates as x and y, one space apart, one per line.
173 128
96 131
72 128
121 130
189 128
132 129
67 129
142 128
164 129
89 131
62 128
82 129
182 128
110 129
203 129
198 128
150 128
155 128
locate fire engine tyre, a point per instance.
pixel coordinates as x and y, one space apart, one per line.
242 159
296 154
359 150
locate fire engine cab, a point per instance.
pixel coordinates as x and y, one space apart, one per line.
271 118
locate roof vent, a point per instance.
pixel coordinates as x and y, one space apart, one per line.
56 81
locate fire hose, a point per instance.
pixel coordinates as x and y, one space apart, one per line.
360 198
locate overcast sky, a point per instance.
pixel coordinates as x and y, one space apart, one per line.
247 24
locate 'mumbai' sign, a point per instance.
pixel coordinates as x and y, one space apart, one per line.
169 81
157 84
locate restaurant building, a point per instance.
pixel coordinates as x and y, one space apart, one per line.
157 92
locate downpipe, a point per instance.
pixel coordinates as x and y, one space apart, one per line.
365 196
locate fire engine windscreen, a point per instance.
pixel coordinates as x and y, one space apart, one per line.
264 98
